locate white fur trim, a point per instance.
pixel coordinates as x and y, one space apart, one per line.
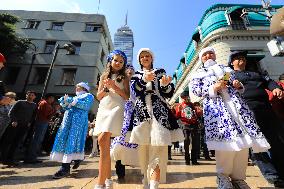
211 92
145 50
140 134
258 145
128 156
177 135
127 136
207 49
152 133
84 85
66 158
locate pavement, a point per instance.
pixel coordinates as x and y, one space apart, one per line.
179 176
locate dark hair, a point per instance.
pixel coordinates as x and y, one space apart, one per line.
108 72
30 91
141 66
196 103
281 77
48 95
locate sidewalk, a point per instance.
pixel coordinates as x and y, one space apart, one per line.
179 176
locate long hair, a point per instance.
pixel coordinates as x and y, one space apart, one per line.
108 72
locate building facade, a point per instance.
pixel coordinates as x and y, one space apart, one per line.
123 40
227 28
88 33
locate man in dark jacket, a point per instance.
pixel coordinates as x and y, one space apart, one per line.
21 115
44 113
272 127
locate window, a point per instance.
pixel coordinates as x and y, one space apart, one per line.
39 75
32 24
237 20
49 46
102 56
57 26
93 28
77 46
98 80
12 75
68 77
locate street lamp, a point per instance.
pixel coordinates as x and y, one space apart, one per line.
71 50
30 67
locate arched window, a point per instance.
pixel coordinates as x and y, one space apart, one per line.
237 18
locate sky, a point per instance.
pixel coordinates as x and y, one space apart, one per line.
165 26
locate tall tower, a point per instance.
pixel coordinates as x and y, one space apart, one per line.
123 40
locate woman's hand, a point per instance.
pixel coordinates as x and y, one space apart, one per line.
165 80
149 76
237 84
109 83
221 84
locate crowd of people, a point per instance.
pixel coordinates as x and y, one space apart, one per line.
239 117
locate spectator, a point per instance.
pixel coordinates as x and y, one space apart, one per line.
277 104
186 113
4 110
272 128
21 115
3 100
53 127
44 114
199 113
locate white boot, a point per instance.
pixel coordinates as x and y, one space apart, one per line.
109 184
224 182
145 183
97 186
154 184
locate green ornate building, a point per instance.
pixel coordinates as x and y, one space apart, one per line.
227 28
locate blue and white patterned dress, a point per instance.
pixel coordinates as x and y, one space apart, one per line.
70 139
229 124
121 148
151 107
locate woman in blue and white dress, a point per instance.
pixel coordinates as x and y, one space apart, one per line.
153 126
229 124
70 139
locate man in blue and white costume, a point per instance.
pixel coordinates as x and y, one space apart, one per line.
230 126
70 139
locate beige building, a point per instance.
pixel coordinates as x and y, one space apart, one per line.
225 28
88 33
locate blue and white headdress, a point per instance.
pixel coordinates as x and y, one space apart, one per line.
84 85
117 52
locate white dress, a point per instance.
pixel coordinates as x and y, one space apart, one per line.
110 113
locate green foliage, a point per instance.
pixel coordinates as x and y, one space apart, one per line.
10 42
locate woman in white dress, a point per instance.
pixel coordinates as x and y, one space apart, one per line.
112 92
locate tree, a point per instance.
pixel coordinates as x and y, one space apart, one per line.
10 42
